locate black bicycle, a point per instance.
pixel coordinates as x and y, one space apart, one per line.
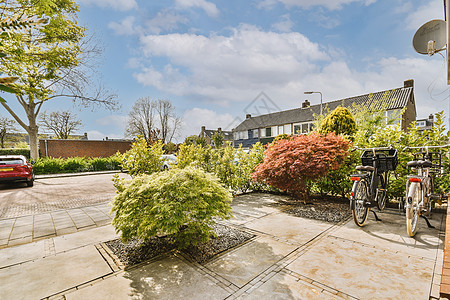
370 185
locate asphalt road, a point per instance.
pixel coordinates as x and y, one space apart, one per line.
16 199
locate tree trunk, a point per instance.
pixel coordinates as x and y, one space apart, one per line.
33 135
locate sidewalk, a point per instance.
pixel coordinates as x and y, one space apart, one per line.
290 258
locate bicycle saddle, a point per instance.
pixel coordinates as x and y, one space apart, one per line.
420 163
365 168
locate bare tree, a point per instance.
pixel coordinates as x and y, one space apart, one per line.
61 123
6 128
153 119
169 122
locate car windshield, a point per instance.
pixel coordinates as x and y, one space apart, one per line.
11 161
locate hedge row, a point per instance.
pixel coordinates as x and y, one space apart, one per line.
13 151
76 164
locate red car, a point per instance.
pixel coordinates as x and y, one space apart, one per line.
16 168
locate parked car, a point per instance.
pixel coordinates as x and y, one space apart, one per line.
16 168
167 161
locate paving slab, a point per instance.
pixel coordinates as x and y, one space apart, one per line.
22 253
284 286
295 229
390 234
248 261
85 237
46 276
168 278
255 205
365 272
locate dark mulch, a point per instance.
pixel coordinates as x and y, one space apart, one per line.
329 209
136 251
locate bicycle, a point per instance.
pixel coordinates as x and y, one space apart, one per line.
420 187
370 187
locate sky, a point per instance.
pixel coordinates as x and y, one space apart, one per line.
215 60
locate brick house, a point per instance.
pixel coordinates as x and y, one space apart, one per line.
265 128
208 134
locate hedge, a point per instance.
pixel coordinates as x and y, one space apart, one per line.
13 151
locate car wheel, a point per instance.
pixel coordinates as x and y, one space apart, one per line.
165 167
31 181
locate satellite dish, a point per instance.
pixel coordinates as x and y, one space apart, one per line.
430 37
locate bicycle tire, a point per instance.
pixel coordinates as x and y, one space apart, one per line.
381 192
360 212
412 212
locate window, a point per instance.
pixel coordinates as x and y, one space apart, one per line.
255 133
297 128
274 131
305 128
268 131
421 123
236 135
263 132
243 135
393 114
287 129
280 130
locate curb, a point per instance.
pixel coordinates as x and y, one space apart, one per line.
45 176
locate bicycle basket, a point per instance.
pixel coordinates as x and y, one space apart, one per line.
386 159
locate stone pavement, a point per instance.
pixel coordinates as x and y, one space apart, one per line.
289 258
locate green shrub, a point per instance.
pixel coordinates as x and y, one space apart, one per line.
181 203
47 165
74 164
339 121
16 151
141 158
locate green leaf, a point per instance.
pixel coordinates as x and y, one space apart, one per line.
7 89
2 100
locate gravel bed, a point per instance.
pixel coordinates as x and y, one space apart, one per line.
135 251
329 210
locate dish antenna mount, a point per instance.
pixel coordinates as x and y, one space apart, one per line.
431 37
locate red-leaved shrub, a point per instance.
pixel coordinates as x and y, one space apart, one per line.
292 165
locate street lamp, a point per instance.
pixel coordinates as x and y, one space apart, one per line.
309 93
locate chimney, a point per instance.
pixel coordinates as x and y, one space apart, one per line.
85 136
408 83
431 118
202 134
306 104
219 130
248 116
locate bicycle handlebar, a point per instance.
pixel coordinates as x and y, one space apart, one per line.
425 147
373 149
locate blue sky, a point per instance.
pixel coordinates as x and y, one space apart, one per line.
212 58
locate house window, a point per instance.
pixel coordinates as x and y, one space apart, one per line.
305 128
263 132
268 131
236 135
280 130
243 135
297 128
421 123
255 133
287 129
393 114
274 131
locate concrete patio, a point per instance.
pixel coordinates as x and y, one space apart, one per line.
289 258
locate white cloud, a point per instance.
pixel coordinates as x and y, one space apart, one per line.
427 12
285 25
112 120
121 5
195 118
209 7
227 68
164 21
331 5
125 27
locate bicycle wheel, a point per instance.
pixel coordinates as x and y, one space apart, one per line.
359 210
381 192
412 208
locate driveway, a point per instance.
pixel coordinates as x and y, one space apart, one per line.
51 194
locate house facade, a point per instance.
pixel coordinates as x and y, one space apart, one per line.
265 128
209 133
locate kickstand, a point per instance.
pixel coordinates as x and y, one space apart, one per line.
376 217
428 222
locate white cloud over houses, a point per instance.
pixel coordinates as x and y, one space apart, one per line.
121 5
425 13
209 7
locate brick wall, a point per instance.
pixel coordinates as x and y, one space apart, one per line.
82 148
